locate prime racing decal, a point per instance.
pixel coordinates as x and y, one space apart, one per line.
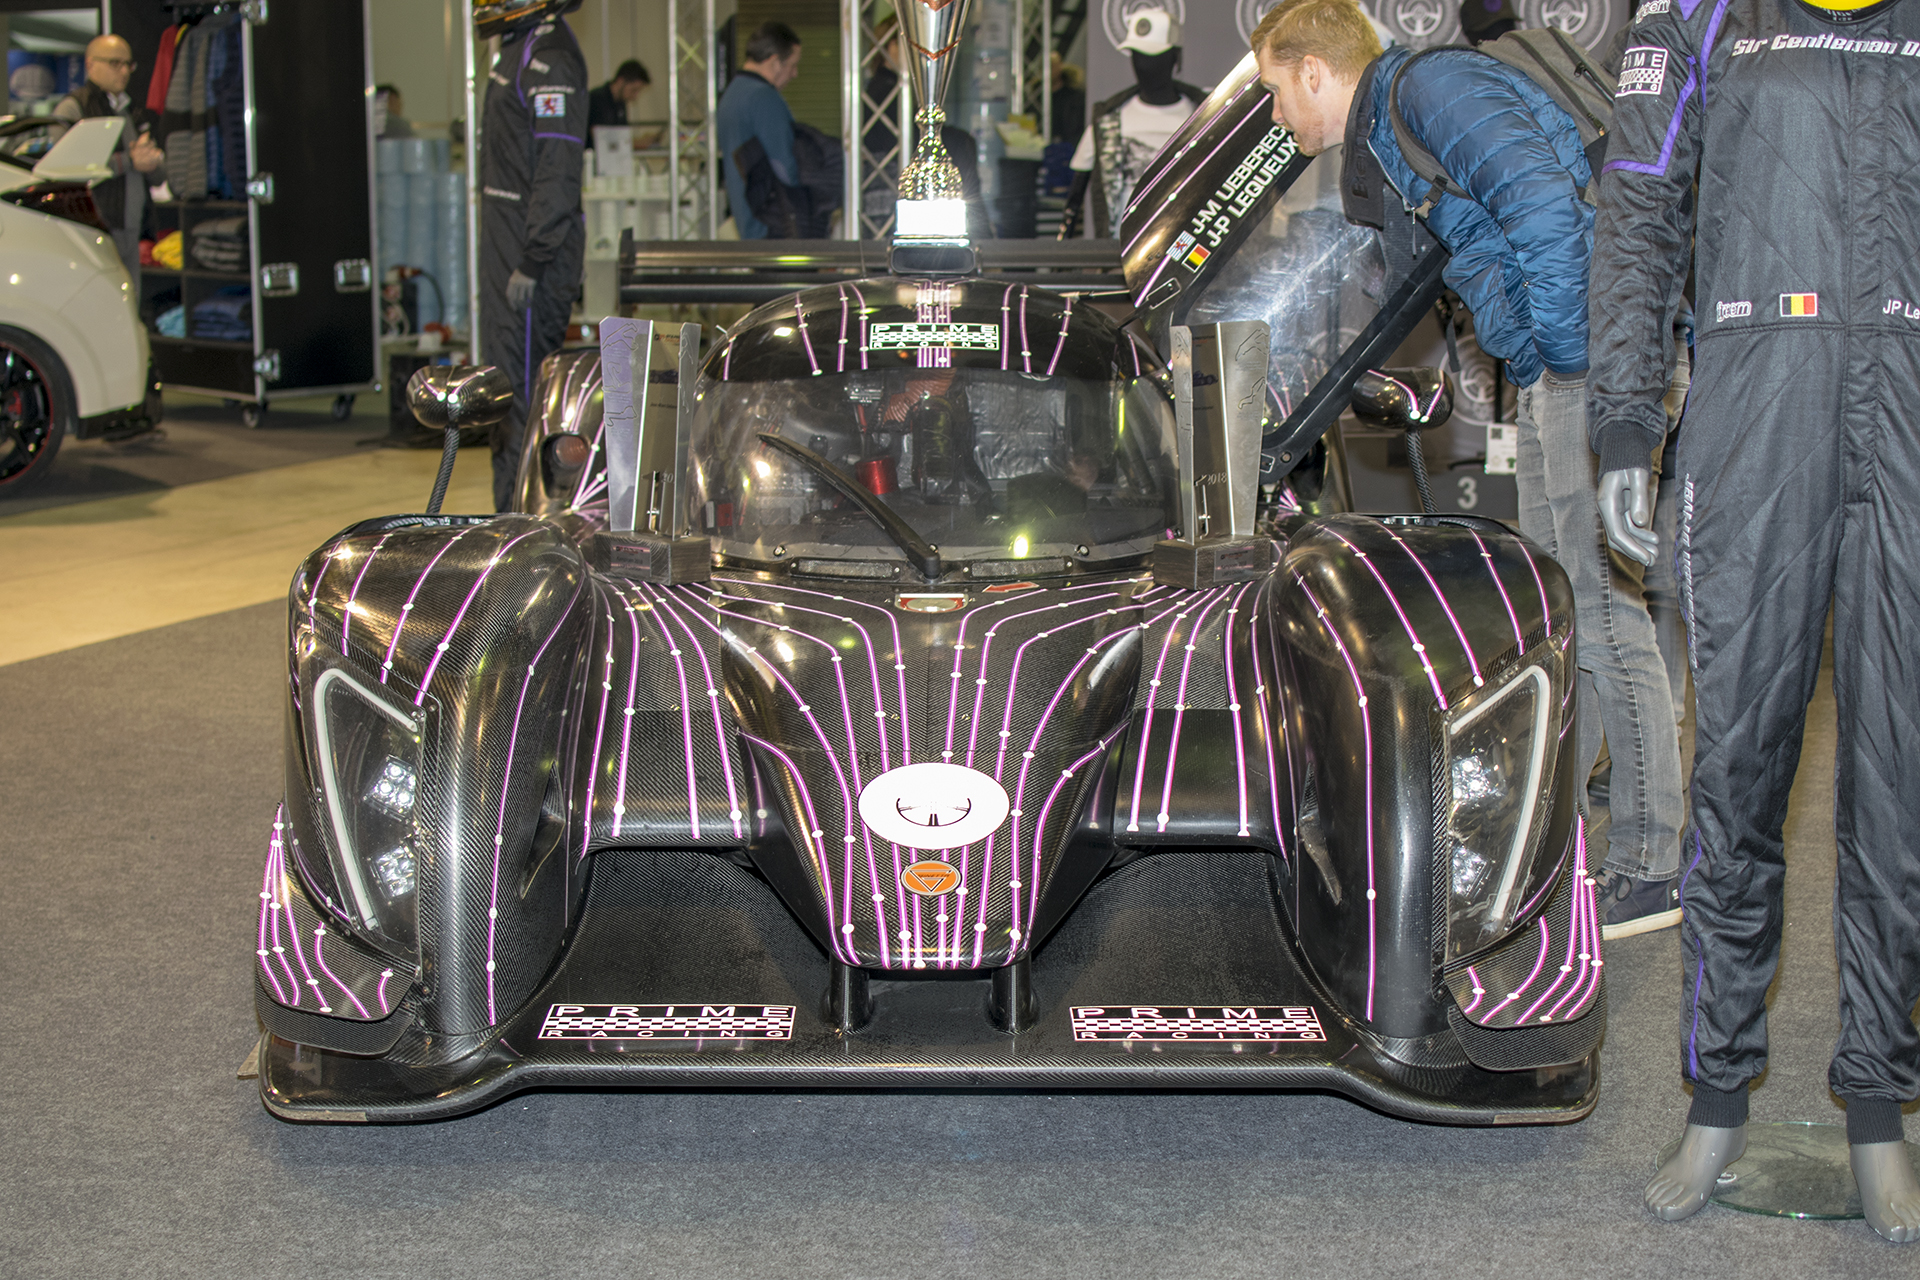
914 337
1643 69
668 1022
1294 1022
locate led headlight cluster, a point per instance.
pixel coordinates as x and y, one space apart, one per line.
1499 751
369 757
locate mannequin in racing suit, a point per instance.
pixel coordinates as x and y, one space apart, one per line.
1800 472
532 237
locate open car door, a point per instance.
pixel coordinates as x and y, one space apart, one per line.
1231 222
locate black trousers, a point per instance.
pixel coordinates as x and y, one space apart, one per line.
517 340
1800 467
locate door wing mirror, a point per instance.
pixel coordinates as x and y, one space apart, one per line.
459 396
1403 399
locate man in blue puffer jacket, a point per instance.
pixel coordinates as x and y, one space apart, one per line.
1520 249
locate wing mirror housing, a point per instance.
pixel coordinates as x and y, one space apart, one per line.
1403 399
449 397
459 395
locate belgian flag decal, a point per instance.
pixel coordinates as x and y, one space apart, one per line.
1799 304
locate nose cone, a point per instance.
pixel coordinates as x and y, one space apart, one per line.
928 768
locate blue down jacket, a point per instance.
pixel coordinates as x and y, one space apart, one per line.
1520 248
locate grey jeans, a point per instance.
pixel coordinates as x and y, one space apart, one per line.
1623 690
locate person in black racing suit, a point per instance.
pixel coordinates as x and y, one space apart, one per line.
1800 473
532 236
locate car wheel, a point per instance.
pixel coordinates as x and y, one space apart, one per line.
36 409
342 408
250 414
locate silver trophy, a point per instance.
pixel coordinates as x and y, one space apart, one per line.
931 30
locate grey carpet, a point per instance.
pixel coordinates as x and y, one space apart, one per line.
201 439
137 778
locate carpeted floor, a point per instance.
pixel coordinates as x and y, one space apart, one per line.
136 784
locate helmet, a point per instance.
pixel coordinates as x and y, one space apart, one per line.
1150 31
503 17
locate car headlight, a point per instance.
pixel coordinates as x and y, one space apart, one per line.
369 757
1499 753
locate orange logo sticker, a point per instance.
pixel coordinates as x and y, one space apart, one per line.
930 879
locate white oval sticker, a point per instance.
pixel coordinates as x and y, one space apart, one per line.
933 806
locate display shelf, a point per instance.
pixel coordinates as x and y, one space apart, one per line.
302 240
196 273
217 344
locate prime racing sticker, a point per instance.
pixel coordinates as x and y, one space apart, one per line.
668 1022
1643 69
913 337
1212 1023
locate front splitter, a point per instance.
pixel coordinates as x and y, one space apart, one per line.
729 992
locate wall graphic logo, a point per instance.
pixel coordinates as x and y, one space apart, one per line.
933 806
1417 24
1587 23
1117 15
1247 15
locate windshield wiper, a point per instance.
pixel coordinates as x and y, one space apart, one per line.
917 548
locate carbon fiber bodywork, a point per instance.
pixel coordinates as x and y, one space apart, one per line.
645 846
575 717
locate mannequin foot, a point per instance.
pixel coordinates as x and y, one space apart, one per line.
1681 1187
1889 1192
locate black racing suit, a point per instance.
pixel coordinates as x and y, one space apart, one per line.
1800 473
531 144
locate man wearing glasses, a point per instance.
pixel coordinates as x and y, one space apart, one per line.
136 164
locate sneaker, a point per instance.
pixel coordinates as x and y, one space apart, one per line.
1635 906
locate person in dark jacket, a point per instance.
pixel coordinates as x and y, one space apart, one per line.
608 104
136 162
1520 250
1799 476
754 123
532 237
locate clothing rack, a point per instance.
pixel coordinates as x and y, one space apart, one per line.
281 301
193 10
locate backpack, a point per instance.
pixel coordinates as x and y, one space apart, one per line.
1564 72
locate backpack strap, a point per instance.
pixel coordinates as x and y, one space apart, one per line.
1421 160
1571 94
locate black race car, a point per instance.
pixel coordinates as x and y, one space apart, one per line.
901 692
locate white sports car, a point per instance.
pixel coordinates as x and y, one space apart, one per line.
73 353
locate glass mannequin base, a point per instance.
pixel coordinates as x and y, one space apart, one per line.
1796 1170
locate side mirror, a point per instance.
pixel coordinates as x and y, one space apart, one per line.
1403 399
459 396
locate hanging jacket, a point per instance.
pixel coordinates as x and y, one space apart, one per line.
162 70
1521 246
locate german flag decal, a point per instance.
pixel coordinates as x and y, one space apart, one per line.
1799 304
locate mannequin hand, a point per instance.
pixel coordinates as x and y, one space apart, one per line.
520 290
1626 509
